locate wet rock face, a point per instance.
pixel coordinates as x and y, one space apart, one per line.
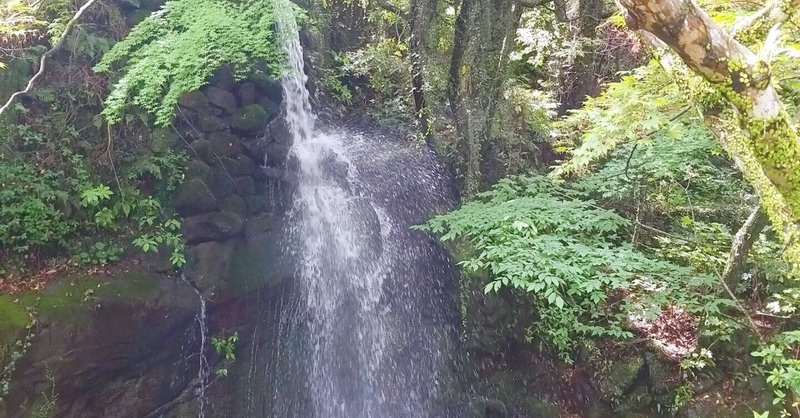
106 347
239 145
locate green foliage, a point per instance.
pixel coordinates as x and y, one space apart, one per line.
630 110
572 258
225 346
176 50
29 213
383 62
165 234
782 366
99 254
677 172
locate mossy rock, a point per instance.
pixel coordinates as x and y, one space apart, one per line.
224 144
235 204
194 198
163 139
222 99
221 183
194 100
250 119
208 265
620 377
214 226
201 148
199 170
207 122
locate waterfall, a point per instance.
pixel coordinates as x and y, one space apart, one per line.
370 323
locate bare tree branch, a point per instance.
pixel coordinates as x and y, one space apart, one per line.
742 244
43 62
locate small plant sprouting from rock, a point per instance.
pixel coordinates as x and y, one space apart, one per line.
225 346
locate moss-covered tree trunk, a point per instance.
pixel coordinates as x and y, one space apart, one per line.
766 134
484 36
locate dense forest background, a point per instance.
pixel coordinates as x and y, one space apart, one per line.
629 173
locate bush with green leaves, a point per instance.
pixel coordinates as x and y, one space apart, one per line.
30 202
574 259
177 49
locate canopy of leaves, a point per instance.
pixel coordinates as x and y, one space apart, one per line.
177 49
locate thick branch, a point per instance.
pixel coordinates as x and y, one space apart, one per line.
742 244
385 5
42 63
736 73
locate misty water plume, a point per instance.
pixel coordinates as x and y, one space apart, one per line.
368 326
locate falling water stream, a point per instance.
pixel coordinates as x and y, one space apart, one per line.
368 326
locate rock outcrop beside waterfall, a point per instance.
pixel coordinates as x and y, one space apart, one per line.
127 344
238 184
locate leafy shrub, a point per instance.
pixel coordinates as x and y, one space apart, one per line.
29 213
573 258
630 110
100 253
177 49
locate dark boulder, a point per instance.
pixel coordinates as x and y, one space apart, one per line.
268 86
247 94
221 183
234 204
256 149
279 132
239 165
194 198
224 78
197 169
222 99
245 185
224 144
255 204
207 122
152 4
214 226
201 148
277 154
195 101
208 265
269 106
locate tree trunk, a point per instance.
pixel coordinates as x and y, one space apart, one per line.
420 18
732 69
484 35
764 141
742 244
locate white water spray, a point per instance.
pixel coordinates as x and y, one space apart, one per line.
372 343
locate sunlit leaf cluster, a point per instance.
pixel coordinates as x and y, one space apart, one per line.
177 49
